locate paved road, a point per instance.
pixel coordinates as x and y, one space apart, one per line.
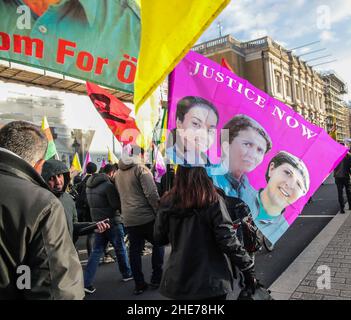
269 266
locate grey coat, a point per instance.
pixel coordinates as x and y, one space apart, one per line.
138 193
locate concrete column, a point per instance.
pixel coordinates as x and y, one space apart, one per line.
269 73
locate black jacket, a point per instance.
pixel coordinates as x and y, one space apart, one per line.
343 170
201 241
56 167
33 232
103 199
82 205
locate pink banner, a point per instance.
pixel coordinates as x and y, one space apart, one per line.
269 155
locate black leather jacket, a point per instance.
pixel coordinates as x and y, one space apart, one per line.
201 241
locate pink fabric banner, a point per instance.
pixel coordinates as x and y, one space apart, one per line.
273 158
86 161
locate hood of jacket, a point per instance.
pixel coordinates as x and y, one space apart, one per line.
122 166
52 168
96 179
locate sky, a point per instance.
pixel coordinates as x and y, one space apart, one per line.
294 23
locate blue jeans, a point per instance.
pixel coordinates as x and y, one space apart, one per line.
116 236
137 236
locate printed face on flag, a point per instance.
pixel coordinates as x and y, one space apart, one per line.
287 181
195 132
238 133
197 127
285 185
247 145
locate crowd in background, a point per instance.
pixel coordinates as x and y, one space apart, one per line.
43 213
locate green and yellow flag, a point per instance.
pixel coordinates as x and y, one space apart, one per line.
169 29
51 150
164 126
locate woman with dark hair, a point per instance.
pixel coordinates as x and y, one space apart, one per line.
196 122
193 218
247 146
287 181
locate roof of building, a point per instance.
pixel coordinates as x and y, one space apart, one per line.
18 73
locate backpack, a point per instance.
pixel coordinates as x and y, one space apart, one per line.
247 232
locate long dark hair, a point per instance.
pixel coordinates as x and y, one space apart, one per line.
192 189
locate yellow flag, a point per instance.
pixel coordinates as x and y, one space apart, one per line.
75 166
332 131
111 158
169 29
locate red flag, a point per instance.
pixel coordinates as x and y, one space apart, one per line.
115 113
225 64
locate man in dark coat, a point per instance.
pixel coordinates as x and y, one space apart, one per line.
33 227
104 202
342 180
57 176
82 205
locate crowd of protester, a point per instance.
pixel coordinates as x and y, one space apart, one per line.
43 212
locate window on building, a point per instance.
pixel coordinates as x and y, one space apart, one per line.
310 96
287 87
278 82
297 86
304 94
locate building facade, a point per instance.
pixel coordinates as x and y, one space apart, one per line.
74 122
337 109
275 70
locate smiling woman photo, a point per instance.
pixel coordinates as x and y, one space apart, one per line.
196 123
287 181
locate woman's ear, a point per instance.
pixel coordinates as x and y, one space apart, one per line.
271 168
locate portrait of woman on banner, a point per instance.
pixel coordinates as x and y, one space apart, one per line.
287 181
195 132
247 144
